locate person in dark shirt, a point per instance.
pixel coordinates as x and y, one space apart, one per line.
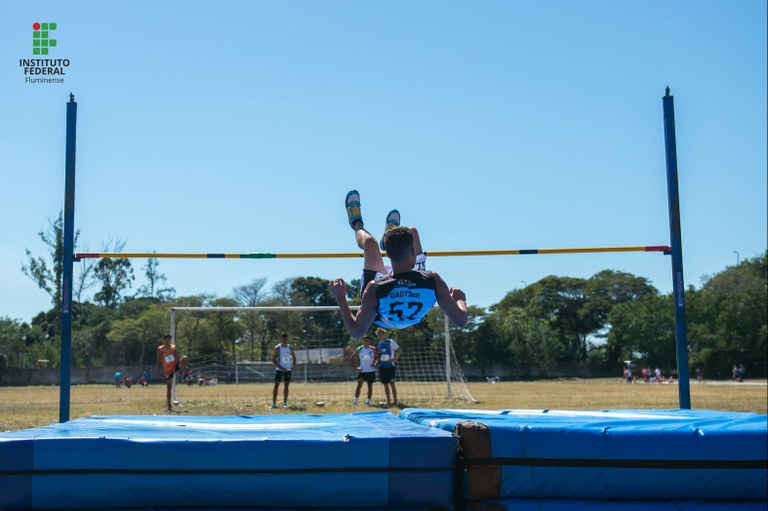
398 298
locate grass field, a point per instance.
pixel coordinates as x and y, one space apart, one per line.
26 407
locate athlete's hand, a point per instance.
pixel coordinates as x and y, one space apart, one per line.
457 294
338 289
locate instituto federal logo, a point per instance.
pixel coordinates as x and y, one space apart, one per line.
43 41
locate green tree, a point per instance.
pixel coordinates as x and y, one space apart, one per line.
252 295
155 282
645 326
114 275
48 273
731 320
137 330
11 342
561 302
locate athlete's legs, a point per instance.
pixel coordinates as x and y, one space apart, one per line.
168 389
372 259
359 386
394 393
285 391
386 391
416 241
274 392
370 390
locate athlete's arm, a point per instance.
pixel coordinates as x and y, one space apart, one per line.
293 359
452 301
357 324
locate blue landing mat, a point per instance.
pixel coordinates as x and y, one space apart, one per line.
619 505
605 455
361 460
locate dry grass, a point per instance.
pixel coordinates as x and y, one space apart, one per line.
26 407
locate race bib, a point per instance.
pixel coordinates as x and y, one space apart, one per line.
169 358
366 357
385 358
285 361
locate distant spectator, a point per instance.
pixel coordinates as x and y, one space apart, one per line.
741 372
699 374
119 381
646 375
143 380
659 377
128 382
284 360
735 372
168 362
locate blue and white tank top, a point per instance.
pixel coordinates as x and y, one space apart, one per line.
405 298
366 357
387 352
284 358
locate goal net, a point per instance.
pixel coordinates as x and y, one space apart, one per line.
234 345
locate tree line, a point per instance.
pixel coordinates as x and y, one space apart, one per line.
600 321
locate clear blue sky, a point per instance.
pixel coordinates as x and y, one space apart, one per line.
239 127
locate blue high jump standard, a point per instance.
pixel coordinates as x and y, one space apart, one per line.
360 460
607 455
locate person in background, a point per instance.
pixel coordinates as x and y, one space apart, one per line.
365 358
284 360
389 354
168 362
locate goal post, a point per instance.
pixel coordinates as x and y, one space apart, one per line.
426 372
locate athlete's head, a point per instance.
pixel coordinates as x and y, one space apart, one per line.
284 338
366 340
167 339
381 334
398 242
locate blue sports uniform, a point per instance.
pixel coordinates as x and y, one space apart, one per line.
404 299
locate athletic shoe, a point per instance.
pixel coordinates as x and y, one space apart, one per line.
393 220
352 204
354 402
176 402
368 402
169 410
271 406
285 405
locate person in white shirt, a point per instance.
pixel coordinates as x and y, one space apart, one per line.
284 359
365 358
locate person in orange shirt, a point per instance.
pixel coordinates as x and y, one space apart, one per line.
168 362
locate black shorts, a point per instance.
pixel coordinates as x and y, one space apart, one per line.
368 276
367 377
387 374
280 375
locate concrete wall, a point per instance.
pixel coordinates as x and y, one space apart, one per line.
78 375
264 373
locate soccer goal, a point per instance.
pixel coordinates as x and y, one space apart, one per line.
234 345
